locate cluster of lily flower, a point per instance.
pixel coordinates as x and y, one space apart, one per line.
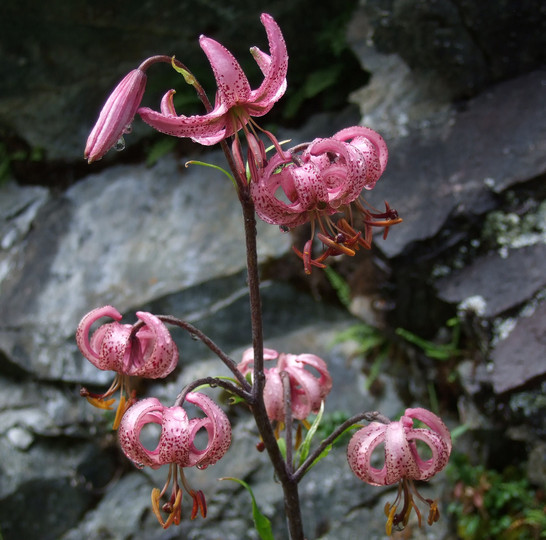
319 183
146 349
309 183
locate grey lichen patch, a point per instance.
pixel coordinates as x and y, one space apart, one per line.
508 230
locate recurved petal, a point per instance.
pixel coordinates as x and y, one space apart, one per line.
438 447
324 380
174 440
167 104
272 210
143 412
348 175
274 395
233 85
84 327
360 450
207 129
399 459
356 135
247 362
113 342
154 353
309 186
274 84
306 391
217 426
433 422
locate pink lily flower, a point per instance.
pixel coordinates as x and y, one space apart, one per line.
402 462
176 447
235 101
327 178
307 389
149 352
116 115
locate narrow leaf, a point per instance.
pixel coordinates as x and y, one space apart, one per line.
195 162
306 444
261 522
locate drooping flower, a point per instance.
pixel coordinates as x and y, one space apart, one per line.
402 462
176 447
144 350
315 181
308 387
235 101
116 115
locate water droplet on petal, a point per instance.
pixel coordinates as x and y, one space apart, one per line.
139 465
120 145
128 128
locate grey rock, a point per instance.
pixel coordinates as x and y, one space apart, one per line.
124 236
519 357
481 152
468 45
70 484
502 281
396 99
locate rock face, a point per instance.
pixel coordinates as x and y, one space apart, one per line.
467 45
467 177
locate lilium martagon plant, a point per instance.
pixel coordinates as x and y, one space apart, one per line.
319 182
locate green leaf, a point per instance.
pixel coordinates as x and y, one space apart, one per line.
261 522
340 285
367 337
303 451
432 350
159 149
281 442
375 370
229 175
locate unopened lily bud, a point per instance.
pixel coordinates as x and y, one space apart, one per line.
116 116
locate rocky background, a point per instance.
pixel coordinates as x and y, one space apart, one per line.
448 312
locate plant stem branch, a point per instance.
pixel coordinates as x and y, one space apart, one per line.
212 382
287 480
287 399
198 334
373 416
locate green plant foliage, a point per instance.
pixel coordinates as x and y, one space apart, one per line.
160 148
341 287
7 157
438 351
261 522
303 450
371 343
323 425
489 505
315 83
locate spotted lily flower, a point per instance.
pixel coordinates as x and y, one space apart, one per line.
116 116
402 462
144 350
176 448
235 102
308 387
314 182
